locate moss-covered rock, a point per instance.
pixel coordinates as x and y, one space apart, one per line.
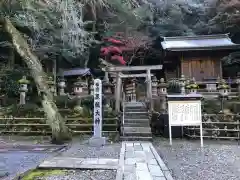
39 174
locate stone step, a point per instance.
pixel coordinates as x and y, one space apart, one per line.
134 104
135 138
137 129
142 124
136 121
135 109
137 134
135 115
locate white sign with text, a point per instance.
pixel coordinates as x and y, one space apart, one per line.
184 112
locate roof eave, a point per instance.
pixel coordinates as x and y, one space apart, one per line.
204 48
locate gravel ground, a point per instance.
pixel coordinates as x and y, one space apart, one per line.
18 162
218 160
84 175
81 149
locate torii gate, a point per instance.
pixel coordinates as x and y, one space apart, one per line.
119 69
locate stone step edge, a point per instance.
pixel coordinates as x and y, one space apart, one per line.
136 119
133 138
138 125
136 112
137 133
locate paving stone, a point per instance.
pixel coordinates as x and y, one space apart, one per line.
48 164
168 175
108 161
96 166
136 143
150 155
129 144
140 154
63 161
134 160
138 148
158 178
143 175
130 176
152 162
130 161
155 170
90 161
146 148
78 163
129 149
159 159
129 154
141 166
129 168
141 163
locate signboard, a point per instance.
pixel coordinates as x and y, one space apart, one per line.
97 117
184 113
184 110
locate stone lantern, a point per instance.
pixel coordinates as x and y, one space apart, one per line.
62 86
192 86
92 87
162 93
80 87
51 84
80 91
162 87
186 85
23 89
223 90
154 86
182 81
107 91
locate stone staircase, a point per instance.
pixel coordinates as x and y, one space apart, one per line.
135 122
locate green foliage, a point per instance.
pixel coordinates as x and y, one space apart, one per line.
26 110
211 106
62 101
192 86
10 81
174 86
36 174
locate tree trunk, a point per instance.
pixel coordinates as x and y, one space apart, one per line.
60 132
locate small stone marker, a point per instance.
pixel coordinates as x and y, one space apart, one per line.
97 139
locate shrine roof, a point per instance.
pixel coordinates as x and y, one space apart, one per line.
77 72
201 42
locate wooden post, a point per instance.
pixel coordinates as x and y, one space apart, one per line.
118 92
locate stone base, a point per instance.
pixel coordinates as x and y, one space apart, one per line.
97 141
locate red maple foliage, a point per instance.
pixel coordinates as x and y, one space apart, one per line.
117 45
113 52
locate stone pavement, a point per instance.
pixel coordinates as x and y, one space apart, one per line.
80 163
140 161
137 161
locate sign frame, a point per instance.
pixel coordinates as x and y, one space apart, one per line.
190 98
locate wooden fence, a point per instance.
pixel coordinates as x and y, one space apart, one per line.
217 126
38 126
